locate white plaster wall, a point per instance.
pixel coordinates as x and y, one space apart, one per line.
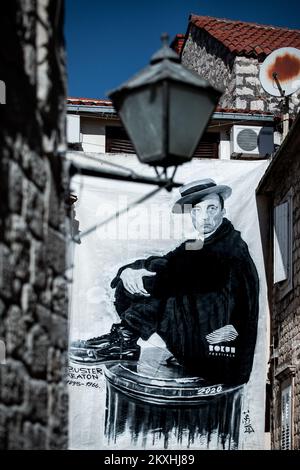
92 134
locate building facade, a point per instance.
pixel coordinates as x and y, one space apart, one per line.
229 54
279 201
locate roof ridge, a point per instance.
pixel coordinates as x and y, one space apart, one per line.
228 20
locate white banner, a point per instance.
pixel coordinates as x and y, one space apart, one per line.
163 397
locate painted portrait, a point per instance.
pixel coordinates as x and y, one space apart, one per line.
178 351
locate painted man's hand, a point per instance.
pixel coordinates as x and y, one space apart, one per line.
133 280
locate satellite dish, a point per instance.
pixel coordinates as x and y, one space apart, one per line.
283 66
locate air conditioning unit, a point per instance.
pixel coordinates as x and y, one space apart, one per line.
251 141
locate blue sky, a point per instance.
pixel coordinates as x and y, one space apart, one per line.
110 40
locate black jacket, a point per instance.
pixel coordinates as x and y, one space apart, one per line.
195 293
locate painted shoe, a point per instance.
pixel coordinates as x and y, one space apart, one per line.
96 341
119 345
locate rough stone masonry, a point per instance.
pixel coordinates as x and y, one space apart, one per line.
33 306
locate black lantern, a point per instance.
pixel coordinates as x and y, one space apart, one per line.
165 109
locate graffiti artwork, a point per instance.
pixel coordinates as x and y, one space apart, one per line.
200 302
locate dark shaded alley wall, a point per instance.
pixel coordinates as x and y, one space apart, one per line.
33 306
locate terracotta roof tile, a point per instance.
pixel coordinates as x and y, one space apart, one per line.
258 50
251 39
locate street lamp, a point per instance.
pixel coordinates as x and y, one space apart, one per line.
165 109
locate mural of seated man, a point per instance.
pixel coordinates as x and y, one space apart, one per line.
201 298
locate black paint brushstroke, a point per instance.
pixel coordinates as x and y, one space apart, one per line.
153 423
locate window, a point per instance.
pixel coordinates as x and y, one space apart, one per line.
283 228
117 141
286 418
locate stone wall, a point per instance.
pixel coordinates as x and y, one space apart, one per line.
237 76
212 61
282 181
33 305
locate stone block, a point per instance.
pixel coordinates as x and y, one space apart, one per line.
15 330
56 251
58 417
12 383
239 80
257 105
240 104
245 91
2 310
26 192
57 362
17 287
56 206
2 317
249 69
43 314
59 332
34 203
36 399
17 228
36 352
15 437
6 272
231 87
34 168
3 427
20 260
34 436
15 187
28 299
254 81
45 296
37 265
295 100
59 296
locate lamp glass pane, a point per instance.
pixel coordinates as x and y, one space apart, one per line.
190 111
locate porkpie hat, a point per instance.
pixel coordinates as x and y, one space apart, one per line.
192 193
